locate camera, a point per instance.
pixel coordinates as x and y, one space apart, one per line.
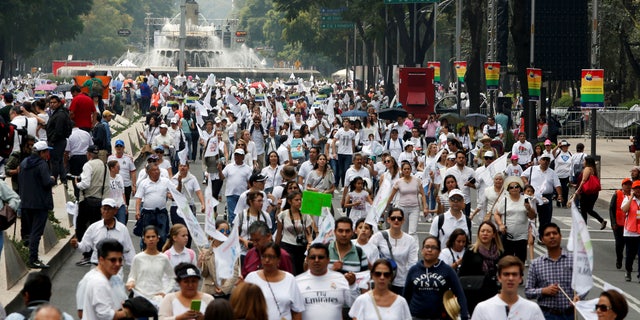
301 240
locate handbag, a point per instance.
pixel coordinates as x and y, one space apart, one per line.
592 185
469 283
8 217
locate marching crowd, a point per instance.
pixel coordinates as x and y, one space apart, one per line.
261 149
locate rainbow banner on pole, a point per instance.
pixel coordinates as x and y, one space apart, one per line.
592 88
492 75
461 69
435 65
534 83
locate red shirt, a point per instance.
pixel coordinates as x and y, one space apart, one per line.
82 107
252 262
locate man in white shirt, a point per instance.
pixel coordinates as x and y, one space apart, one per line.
544 180
394 145
29 124
101 302
451 219
307 166
493 129
107 228
345 148
127 169
237 177
320 129
523 149
152 193
508 304
465 176
325 292
163 139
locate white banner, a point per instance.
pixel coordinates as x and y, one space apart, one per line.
325 227
209 214
580 244
184 211
212 147
226 255
380 201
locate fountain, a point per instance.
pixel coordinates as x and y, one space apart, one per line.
209 48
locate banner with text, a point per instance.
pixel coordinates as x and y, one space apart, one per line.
592 88
435 65
461 69
492 75
534 83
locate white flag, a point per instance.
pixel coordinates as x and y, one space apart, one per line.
209 213
498 165
325 227
580 244
226 255
184 211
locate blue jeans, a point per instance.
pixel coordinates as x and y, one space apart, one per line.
122 215
232 201
158 218
336 175
344 161
431 199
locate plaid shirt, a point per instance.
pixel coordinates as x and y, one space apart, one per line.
543 272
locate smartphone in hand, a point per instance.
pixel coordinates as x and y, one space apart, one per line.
195 305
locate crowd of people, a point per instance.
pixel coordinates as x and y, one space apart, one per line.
261 149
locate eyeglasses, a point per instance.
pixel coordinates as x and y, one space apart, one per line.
378 274
488 158
313 258
225 231
602 307
455 200
114 260
387 161
513 187
269 256
431 248
396 218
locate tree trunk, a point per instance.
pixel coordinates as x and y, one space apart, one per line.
475 14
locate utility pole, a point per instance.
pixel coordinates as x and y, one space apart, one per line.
182 63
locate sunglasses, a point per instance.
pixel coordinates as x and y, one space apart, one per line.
387 161
488 158
431 248
396 218
378 274
602 307
225 231
513 187
456 200
114 260
313 258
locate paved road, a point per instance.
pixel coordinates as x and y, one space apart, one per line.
65 281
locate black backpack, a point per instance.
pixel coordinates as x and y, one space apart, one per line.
441 223
7 136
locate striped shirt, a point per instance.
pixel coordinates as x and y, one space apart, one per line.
545 271
352 261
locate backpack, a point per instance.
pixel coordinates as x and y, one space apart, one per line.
441 223
7 136
96 87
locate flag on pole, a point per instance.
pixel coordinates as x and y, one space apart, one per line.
184 211
580 244
226 255
499 165
209 213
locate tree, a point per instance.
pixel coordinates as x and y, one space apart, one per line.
475 14
24 25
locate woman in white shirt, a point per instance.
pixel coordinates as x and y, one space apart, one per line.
179 304
116 190
272 172
453 253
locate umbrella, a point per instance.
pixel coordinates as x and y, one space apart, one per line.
475 119
325 90
63 88
451 117
392 114
45 87
291 82
355 113
257 85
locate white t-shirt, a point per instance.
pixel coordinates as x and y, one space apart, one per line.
126 167
563 164
369 249
495 309
284 292
364 309
346 139
237 177
100 302
462 176
324 296
523 150
154 194
450 224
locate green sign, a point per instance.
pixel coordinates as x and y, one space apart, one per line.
337 25
330 18
312 202
408 1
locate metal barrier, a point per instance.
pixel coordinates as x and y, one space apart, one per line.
609 123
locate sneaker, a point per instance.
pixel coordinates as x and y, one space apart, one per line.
83 262
627 276
618 265
38 265
603 224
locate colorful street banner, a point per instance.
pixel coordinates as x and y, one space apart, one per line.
534 82
435 65
580 244
461 69
592 88
492 75
313 202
